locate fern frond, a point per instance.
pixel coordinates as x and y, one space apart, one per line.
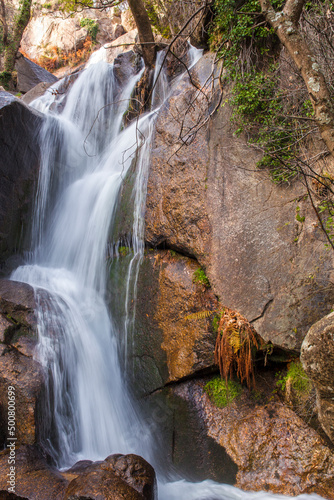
199 315
235 346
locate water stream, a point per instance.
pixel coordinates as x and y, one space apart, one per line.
86 154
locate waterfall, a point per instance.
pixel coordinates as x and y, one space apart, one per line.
86 154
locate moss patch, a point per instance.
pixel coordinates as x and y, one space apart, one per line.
222 394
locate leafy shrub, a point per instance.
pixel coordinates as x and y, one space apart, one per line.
91 26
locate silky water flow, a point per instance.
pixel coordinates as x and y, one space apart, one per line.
85 156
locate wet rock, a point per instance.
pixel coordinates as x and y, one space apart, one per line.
116 478
35 92
207 199
19 163
34 478
29 74
317 356
18 368
167 345
273 448
181 436
126 65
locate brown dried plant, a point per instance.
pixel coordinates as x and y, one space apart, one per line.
236 343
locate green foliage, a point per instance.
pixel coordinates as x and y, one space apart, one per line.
262 108
73 5
91 26
200 278
326 208
222 394
296 378
299 217
235 28
46 5
153 14
5 78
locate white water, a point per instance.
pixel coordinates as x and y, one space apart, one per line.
88 413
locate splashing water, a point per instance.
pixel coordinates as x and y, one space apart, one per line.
85 157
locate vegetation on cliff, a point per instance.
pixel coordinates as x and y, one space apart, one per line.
12 27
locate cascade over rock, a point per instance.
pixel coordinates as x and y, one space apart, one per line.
168 346
19 163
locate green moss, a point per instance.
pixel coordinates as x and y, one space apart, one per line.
200 278
297 378
124 251
220 393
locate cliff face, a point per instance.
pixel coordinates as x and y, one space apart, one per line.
208 200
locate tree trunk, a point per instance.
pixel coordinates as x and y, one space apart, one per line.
285 25
13 42
3 22
144 30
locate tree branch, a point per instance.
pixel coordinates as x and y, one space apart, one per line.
285 25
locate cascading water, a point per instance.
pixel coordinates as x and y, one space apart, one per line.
88 413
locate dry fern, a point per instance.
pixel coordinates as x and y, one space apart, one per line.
235 345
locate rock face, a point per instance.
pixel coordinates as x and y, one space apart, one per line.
19 163
209 201
30 74
50 28
273 448
18 368
35 92
115 478
167 345
116 47
317 356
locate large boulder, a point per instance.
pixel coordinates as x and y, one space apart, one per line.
19 164
115 478
118 477
207 199
34 478
317 356
19 370
29 74
273 448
